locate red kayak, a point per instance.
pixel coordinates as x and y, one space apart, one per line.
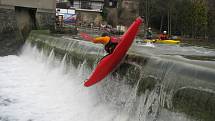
108 63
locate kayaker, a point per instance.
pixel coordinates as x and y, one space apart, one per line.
164 36
109 42
149 33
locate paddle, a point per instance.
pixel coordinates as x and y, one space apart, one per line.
86 37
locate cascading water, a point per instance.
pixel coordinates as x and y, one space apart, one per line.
36 86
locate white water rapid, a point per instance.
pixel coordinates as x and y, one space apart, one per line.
34 87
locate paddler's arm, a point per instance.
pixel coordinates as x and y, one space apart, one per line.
102 40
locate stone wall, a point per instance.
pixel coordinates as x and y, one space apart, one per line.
87 17
45 20
10 36
17 22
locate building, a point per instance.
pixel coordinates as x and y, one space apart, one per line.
81 4
18 17
88 11
115 12
38 11
88 4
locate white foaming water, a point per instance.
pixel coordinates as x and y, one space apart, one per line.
149 44
32 87
36 87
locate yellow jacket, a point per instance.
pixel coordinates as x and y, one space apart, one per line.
102 40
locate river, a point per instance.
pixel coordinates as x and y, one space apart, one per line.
35 86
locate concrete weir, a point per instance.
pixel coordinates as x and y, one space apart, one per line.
181 85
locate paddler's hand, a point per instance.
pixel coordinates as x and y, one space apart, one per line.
142 17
